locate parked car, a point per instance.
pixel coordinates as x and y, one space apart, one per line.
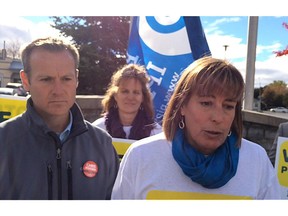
279 110
13 85
20 91
7 91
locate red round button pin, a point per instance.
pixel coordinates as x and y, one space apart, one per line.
90 169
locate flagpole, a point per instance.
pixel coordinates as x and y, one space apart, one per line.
250 62
130 25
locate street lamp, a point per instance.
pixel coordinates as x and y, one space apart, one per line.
225 49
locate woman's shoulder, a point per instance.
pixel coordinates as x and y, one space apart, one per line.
252 148
100 122
152 140
157 129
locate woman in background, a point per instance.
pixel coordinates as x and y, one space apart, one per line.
128 110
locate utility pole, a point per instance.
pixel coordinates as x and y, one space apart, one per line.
260 97
251 58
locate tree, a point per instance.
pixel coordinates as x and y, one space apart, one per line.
275 94
13 49
285 51
102 43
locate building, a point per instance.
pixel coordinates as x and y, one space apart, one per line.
9 68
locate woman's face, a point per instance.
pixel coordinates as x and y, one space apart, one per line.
129 96
208 120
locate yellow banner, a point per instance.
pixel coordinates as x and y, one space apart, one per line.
121 145
281 165
176 195
11 106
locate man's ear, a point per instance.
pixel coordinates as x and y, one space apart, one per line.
25 80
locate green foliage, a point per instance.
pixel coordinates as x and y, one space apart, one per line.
285 99
102 43
275 94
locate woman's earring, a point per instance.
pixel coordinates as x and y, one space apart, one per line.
115 106
181 123
229 134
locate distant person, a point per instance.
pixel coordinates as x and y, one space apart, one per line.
201 154
281 132
50 151
128 110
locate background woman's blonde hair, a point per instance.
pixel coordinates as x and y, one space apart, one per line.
129 71
205 76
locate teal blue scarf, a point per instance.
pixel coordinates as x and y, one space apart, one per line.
211 171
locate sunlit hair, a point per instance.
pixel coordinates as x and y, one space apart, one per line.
129 71
50 44
205 76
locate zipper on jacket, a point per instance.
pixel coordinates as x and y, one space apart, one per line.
50 177
58 157
58 161
69 174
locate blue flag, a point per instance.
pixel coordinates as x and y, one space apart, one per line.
166 46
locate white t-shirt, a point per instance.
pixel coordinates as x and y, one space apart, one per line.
149 171
101 123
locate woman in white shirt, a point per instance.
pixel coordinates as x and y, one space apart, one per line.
201 154
128 110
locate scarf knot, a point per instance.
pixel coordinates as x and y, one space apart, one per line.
142 125
212 171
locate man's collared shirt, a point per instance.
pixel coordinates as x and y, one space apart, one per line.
64 134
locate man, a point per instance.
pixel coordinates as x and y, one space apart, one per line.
50 151
282 131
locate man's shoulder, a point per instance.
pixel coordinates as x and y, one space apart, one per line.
12 122
283 129
283 125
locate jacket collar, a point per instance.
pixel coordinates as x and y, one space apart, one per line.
79 124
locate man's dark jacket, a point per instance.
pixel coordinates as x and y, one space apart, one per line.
34 165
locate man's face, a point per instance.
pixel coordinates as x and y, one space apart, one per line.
53 82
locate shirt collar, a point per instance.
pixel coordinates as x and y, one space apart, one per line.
64 134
